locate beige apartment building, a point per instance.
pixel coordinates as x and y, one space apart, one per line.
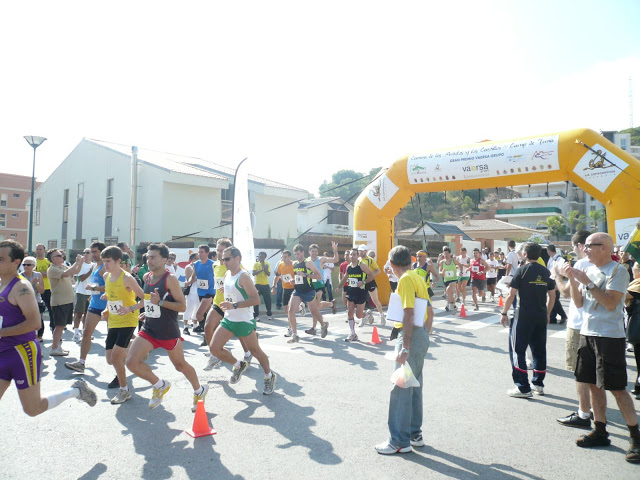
15 191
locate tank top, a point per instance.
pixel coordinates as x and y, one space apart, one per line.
317 283
219 271
477 270
423 272
119 296
96 279
234 293
355 275
161 323
302 283
463 271
11 315
205 279
450 270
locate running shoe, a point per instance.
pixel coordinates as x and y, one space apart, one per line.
269 317
87 395
237 372
186 331
75 366
212 363
77 337
58 352
383 320
517 393
204 342
363 320
121 397
115 383
351 338
593 439
311 331
370 319
324 329
334 309
257 319
248 359
476 308
158 394
484 298
197 398
446 308
270 384
417 441
289 332
387 449
198 329
537 390
294 339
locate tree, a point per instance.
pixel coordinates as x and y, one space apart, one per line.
575 221
594 217
635 135
346 192
555 225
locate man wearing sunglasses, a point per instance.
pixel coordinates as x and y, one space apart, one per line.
601 363
240 294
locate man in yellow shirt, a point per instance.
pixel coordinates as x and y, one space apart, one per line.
405 408
42 265
261 272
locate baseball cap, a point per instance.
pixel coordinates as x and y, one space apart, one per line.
362 248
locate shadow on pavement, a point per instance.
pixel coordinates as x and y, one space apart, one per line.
95 472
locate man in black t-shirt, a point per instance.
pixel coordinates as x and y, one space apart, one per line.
535 287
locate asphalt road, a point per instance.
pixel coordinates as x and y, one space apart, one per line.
328 411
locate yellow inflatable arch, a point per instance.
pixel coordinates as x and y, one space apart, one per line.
582 156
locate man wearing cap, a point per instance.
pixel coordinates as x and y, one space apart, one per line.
371 286
425 269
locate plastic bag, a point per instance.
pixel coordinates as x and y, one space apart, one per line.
403 377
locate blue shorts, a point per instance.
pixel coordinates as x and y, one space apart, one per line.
95 311
306 297
21 363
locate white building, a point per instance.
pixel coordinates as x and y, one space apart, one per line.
329 216
89 197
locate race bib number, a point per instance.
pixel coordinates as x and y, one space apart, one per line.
219 283
286 278
299 279
475 269
203 284
114 305
151 310
492 271
449 274
353 282
229 297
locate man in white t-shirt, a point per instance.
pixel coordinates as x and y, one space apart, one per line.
512 261
581 418
556 259
327 268
82 295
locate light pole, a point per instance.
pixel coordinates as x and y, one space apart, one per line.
35 142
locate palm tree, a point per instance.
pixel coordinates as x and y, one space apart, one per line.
595 217
575 221
555 224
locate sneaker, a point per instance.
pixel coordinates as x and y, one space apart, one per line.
237 372
633 454
417 441
629 346
593 439
383 320
121 397
115 383
517 393
484 298
158 394
387 449
476 308
311 331
186 331
574 420
270 384
198 329
75 366
351 338
493 299
86 394
370 319
248 359
537 390
303 311
289 332
446 308
294 339
334 309
562 321
58 352
324 330
212 363
269 317
363 320
204 342
257 319
197 398
77 337
529 364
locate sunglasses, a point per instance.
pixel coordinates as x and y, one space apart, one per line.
226 259
590 245
28 265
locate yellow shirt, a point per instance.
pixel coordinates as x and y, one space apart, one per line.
541 261
371 263
42 266
219 271
411 286
261 278
119 296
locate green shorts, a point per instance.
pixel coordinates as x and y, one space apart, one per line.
239 329
464 279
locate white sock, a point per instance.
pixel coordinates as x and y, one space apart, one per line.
247 354
237 364
268 376
81 361
352 325
56 399
160 384
125 388
583 415
199 391
76 330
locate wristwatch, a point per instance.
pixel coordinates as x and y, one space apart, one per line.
132 308
235 305
403 351
160 302
591 286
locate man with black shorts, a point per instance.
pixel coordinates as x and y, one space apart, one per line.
62 295
319 284
354 280
20 353
478 269
492 274
601 363
448 267
284 274
203 277
121 290
261 273
163 299
371 286
537 291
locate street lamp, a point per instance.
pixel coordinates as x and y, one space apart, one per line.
35 142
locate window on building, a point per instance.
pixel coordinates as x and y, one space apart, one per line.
623 143
3 220
16 195
14 235
3 200
52 244
81 190
37 213
226 198
108 220
110 187
338 217
14 215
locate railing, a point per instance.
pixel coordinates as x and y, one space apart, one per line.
516 211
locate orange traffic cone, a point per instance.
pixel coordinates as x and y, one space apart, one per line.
463 312
201 425
501 303
375 338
